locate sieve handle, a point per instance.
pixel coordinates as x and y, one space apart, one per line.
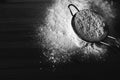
71 10
113 42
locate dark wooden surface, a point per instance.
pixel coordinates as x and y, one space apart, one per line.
18 21
19 55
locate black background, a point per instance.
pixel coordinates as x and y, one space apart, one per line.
20 56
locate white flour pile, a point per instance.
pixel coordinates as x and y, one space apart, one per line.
58 36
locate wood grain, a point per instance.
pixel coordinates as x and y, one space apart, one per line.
17 21
19 56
